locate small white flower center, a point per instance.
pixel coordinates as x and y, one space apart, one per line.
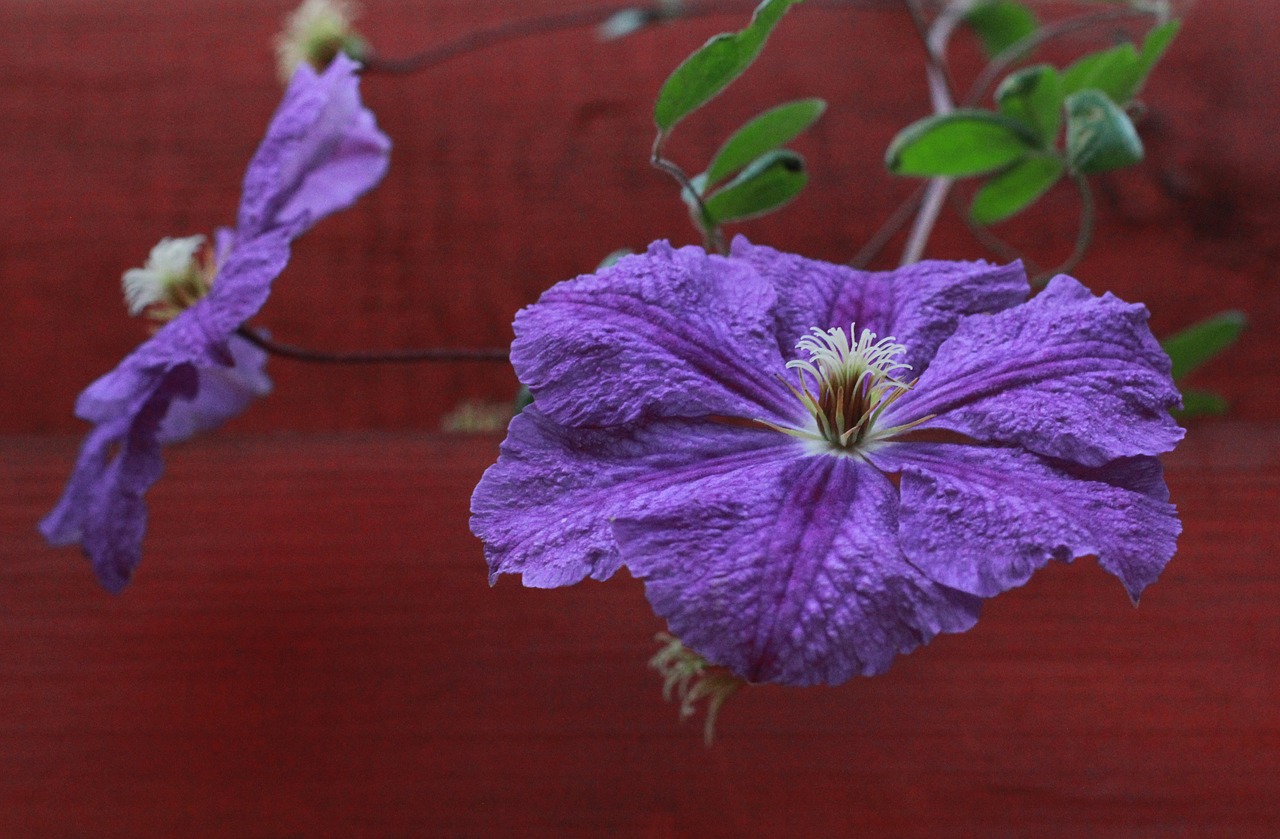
315 32
172 280
846 386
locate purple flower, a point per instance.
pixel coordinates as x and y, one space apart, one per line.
322 151
804 503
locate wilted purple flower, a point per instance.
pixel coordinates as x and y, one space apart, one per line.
805 503
322 150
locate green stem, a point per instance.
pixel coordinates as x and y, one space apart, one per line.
1084 236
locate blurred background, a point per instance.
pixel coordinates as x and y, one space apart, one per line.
310 648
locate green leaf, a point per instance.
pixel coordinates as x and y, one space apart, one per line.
1196 344
1100 136
715 64
1000 24
958 144
1012 191
766 184
1154 47
1111 71
1200 403
766 132
1033 97
1120 71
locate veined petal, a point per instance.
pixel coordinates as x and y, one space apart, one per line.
984 519
198 336
1067 375
789 572
918 305
102 506
668 333
222 393
544 509
321 152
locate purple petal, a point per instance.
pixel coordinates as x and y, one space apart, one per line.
666 333
222 393
321 152
917 304
789 571
1067 375
102 506
544 509
197 336
983 520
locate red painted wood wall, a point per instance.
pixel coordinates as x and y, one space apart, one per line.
311 649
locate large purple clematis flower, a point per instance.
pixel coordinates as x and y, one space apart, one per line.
805 503
322 150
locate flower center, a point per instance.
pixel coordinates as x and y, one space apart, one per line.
846 386
173 279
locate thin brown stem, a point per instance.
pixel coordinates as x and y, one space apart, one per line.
1084 235
413 356
986 80
896 221
562 21
712 236
937 65
989 240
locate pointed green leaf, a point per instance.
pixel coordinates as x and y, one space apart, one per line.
714 65
958 144
765 185
1012 191
768 131
1000 24
1201 403
1154 47
1111 70
1033 97
1120 71
1100 136
1197 344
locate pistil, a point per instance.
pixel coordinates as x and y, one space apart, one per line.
846 386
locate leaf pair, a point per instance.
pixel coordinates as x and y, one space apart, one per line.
1018 142
763 175
767 175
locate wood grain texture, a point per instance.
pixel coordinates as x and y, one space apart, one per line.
311 649
123 121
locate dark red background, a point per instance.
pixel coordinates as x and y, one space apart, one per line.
310 647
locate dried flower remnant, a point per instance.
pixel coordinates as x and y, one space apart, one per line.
321 151
802 502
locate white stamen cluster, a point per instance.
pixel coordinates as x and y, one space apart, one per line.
172 277
691 678
846 386
316 32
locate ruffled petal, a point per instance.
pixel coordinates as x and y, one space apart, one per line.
983 520
321 152
1067 375
199 335
544 509
102 507
789 571
222 393
668 333
919 305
